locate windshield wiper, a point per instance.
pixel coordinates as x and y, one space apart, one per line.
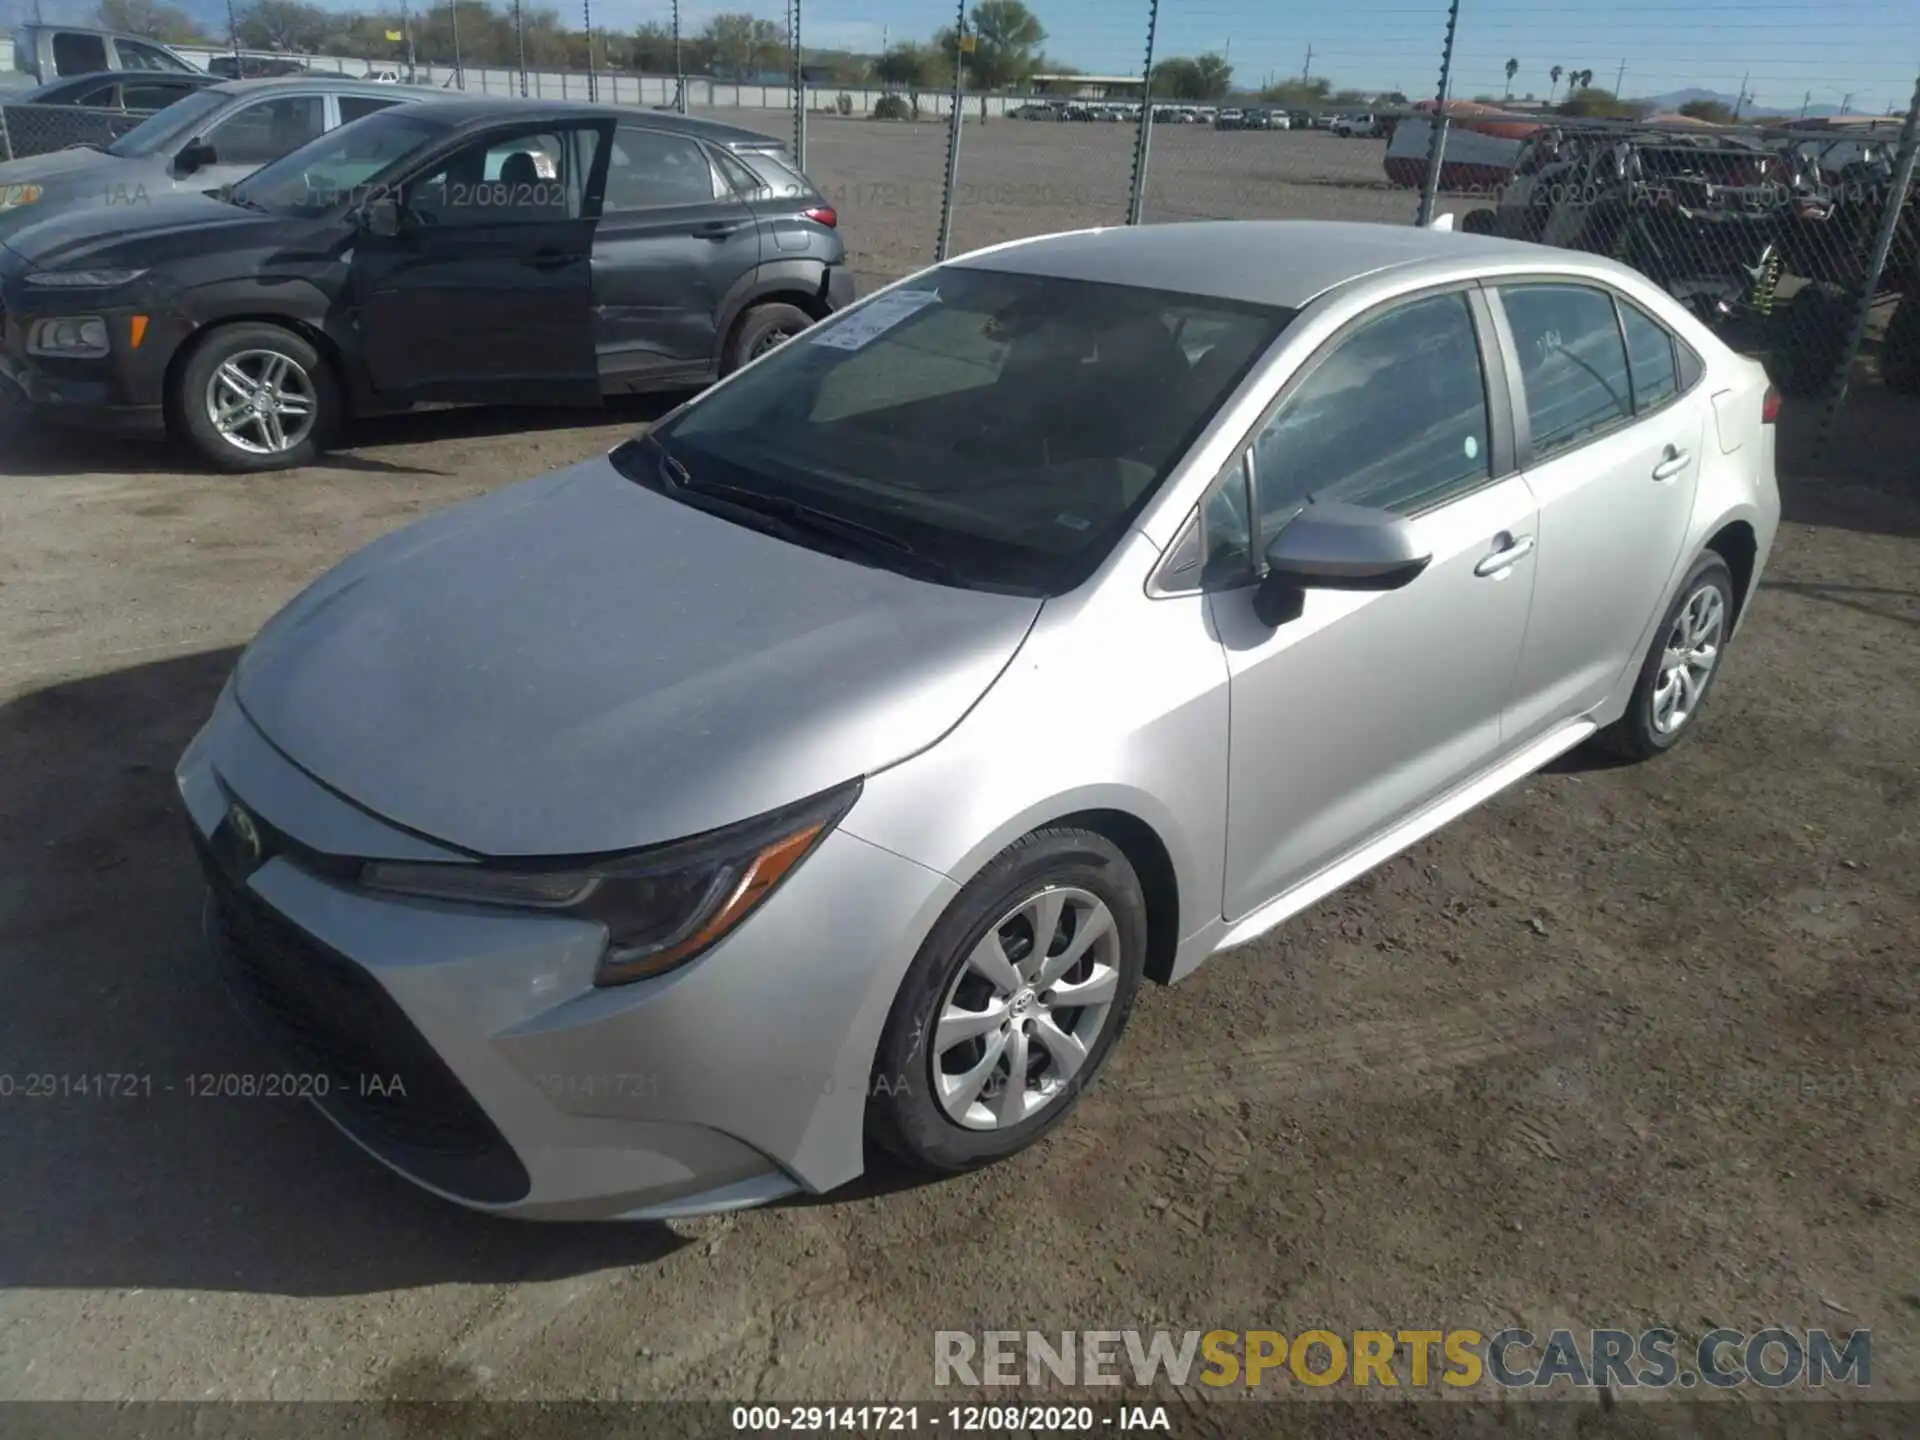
795 515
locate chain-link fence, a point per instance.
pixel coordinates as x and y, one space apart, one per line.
38 129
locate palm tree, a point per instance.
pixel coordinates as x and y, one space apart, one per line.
1513 69
1554 74
1586 79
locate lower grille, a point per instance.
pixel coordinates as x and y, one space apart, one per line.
384 1083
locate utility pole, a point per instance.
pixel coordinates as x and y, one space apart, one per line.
1846 102
1740 100
1306 72
1619 79
1804 103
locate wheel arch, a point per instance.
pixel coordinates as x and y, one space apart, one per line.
314 335
1736 543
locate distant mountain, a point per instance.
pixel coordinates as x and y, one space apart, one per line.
1673 100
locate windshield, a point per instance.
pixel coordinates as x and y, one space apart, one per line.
339 165
175 123
1007 428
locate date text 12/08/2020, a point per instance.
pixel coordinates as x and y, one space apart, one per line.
201 1085
873 1419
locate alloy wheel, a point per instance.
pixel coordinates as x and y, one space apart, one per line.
1026 1009
1686 664
772 340
262 402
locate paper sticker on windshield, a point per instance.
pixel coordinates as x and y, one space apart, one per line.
876 318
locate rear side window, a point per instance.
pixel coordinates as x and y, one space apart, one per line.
78 54
99 95
1572 360
777 174
650 170
135 56
1649 360
354 107
1691 366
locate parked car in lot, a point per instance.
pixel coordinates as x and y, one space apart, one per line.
834 762
44 53
248 65
1357 127
221 133
136 91
485 251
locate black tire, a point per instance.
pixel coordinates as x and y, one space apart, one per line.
1809 334
1900 351
904 1114
759 329
1480 222
1635 735
187 408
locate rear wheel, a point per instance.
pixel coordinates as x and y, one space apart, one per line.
1680 667
1479 222
762 329
1809 336
254 397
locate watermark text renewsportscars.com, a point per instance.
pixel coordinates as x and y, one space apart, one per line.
1773 1358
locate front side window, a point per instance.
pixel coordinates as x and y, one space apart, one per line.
342 166
1572 362
135 56
518 179
1008 426
649 170
1395 417
262 132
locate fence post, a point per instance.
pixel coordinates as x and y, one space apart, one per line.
6 140
520 40
1437 148
593 80
799 94
1877 263
679 69
453 19
1143 140
956 123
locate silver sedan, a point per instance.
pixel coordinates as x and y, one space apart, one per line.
834 762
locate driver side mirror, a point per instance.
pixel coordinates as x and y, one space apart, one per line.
1334 546
195 155
381 217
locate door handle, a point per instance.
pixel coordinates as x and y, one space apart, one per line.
1672 464
718 229
552 259
1511 551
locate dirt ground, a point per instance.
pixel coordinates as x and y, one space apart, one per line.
1629 1046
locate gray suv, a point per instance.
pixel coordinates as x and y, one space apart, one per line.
211 138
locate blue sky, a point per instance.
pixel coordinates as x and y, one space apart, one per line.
1867 48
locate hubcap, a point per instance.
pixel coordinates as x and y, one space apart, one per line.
1024 1013
1692 650
772 340
262 402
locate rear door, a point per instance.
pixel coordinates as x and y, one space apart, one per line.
486 295
1610 444
674 238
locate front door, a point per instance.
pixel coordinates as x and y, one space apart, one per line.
1352 716
674 239
485 294
1615 454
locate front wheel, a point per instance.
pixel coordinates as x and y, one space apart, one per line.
1012 1005
255 397
763 328
1680 667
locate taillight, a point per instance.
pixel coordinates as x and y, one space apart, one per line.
1770 407
824 215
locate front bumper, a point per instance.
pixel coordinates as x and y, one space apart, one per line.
123 392
469 1050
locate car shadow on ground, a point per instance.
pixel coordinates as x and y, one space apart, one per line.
31 450
137 1181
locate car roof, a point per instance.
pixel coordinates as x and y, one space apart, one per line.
172 77
473 111
1286 263
269 84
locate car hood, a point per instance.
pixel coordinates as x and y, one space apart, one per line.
160 228
578 665
76 177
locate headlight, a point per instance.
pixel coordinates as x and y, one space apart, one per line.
663 906
14 195
82 337
84 279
